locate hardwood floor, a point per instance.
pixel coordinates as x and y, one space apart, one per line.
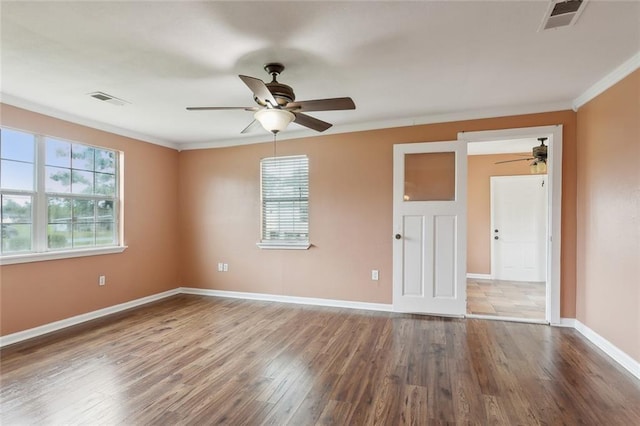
203 360
513 299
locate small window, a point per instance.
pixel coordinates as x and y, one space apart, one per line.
56 195
285 202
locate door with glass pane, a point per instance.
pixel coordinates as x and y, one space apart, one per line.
429 221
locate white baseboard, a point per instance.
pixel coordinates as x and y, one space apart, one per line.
610 349
479 276
566 322
20 336
290 299
10 339
508 319
607 347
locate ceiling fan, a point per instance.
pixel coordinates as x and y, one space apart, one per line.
538 155
277 106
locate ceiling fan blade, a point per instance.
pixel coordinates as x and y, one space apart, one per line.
259 89
331 104
511 161
311 122
221 108
252 126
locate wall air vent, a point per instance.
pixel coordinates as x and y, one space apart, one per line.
101 96
562 13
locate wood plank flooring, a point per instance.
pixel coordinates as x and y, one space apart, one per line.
204 360
509 299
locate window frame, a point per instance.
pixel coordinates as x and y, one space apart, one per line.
39 208
282 244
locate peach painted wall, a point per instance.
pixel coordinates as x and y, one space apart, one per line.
350 213
33 294
480 170
608 200
217 195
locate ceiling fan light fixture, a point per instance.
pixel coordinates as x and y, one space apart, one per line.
274 120
542 167
538 167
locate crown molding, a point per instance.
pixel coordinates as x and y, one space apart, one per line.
626 68
387 124
606 82
287 135
55 113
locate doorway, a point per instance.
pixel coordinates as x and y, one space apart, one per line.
483 282
440 282
515 287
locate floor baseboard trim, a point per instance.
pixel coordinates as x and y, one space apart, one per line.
508 319
479 276
565 322
610 349
290 299
603 344
20 336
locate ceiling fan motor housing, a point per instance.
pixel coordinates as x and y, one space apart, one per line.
283 93
540 152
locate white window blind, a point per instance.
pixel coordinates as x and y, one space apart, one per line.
285 199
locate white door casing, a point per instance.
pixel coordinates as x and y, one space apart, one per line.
429 248
519 227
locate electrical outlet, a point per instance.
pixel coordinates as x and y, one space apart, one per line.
225 267
375 274
220 267
102 280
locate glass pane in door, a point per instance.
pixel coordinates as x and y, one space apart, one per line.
430 176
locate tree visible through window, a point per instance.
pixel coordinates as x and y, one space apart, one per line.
80 183
285 199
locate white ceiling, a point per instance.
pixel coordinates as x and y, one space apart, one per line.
502 146
401 62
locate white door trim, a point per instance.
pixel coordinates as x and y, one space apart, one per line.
554 172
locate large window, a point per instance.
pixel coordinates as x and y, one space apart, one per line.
285 201
56 195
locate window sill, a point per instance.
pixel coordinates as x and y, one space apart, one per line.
284 245
57 255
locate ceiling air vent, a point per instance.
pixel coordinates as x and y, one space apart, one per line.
562 13
101 96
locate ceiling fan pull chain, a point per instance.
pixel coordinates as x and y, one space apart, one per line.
274 146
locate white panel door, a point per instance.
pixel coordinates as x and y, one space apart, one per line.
519 227
429 221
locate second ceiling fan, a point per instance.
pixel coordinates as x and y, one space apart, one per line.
277 106
538 155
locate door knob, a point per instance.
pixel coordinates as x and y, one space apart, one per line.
398 236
